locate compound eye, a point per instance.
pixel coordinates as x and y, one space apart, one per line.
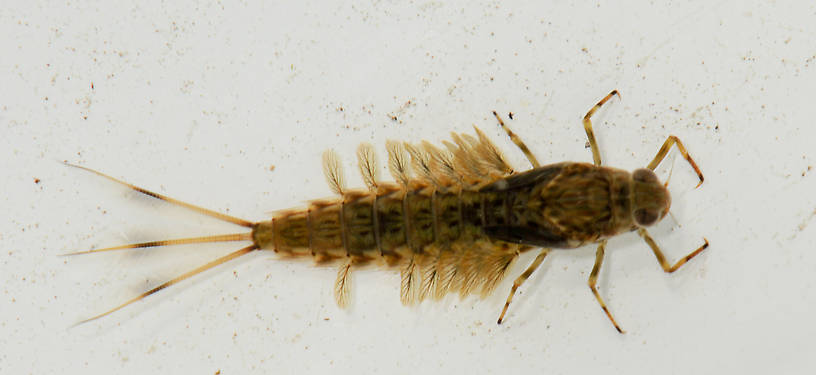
644 217
644 175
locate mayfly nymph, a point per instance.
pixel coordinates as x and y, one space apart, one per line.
455 219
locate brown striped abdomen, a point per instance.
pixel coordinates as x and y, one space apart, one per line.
393 224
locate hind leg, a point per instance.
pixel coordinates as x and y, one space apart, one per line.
522 278
519 143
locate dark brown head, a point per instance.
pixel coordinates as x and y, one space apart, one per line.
650 198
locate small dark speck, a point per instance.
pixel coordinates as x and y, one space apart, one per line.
92 86
510 115
586 145
716 127
36 180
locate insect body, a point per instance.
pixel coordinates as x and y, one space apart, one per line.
458 225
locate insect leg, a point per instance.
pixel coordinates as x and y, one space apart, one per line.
518 142
593 144
593 279
662 258
664 150
522 278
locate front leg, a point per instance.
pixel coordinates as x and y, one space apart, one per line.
667 267
664 150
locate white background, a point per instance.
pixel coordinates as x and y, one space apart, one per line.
199 100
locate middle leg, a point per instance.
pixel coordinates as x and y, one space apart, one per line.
593 280
519 143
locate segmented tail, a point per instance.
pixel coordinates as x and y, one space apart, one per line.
247 236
